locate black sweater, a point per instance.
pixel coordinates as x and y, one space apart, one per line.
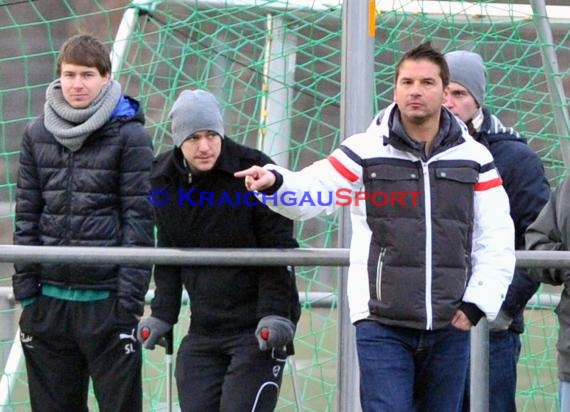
213 210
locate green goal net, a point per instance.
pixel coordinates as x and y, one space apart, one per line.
276 68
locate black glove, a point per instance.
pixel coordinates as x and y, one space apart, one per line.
151 330
274 332
501 322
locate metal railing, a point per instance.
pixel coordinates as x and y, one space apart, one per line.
224 257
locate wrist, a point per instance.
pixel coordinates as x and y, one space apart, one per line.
277 183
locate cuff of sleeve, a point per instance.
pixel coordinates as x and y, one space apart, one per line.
512 311
136 308
472 312
166 314
277 185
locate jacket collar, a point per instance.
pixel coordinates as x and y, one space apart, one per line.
451 133
493 130
172 162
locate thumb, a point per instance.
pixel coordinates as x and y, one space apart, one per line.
149 342
143 333
261 341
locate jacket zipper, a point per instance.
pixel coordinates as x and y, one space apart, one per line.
466 272
70 166
379 274
427 211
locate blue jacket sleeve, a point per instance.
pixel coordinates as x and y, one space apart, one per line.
528 190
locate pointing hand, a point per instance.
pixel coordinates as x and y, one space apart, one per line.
256 178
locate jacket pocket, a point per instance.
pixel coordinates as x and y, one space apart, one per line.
456 183
457 174
392 192
453 192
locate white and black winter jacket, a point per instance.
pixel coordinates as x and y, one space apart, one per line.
430 234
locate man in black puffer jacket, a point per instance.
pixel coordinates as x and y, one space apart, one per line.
242 317
83 181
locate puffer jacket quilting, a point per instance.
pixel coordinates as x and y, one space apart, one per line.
84 199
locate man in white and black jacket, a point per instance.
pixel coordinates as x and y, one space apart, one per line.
432 246
242 318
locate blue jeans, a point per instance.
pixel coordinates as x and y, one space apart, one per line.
403 370
504 351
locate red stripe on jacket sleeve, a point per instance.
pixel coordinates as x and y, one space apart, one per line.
488 184
339 167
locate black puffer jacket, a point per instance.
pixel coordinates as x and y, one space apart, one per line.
96 196
224 299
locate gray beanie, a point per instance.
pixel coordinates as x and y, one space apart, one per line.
195 110
467 69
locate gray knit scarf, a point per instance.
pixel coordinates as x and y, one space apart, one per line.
71 127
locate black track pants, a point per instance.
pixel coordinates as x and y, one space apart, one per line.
65 342
227 374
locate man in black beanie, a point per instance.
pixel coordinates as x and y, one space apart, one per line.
243 318
83 181
528 191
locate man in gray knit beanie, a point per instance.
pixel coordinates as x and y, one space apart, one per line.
195 110
467 69
243 319
525 183
466 88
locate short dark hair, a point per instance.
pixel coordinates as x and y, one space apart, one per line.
425 52
85 50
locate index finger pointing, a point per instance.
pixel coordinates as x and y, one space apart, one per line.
247 172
